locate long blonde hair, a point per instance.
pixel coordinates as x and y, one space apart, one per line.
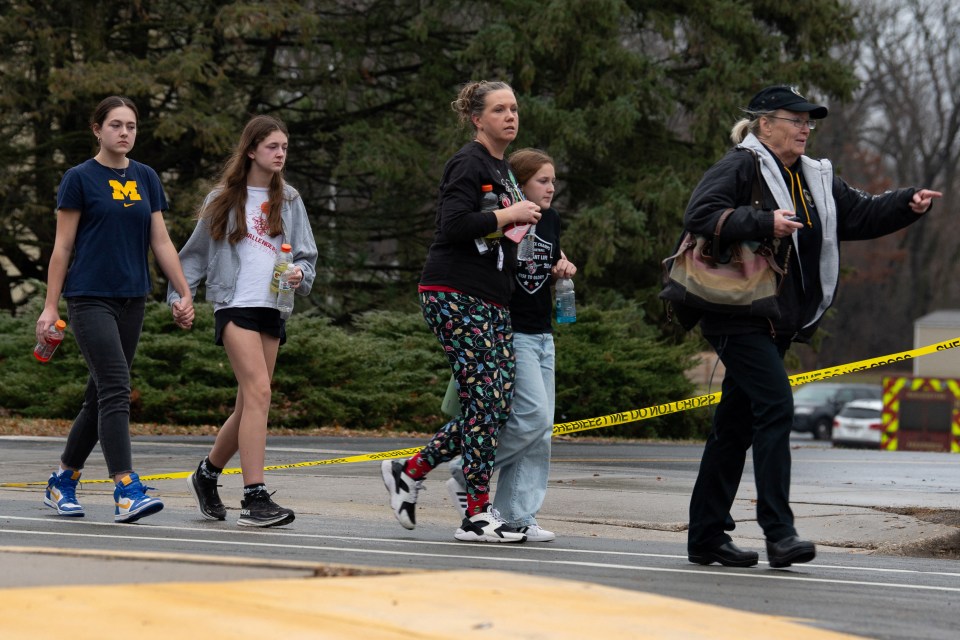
232 183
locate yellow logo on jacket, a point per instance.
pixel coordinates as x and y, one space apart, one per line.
126 190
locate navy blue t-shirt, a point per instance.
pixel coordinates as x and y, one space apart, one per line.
113 235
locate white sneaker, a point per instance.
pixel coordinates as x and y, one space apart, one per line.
458 493
487 526
403 491
536 533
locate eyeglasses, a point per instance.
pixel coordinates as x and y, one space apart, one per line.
797 122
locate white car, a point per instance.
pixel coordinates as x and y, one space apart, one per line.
859 424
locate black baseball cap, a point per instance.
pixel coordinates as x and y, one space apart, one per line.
784 97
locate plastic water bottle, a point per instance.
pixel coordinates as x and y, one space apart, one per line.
488 202
44 349
566 302
285 294
283 261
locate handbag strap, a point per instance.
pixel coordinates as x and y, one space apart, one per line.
756 199
715 250
756 193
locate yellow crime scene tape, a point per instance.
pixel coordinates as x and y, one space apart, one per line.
588 424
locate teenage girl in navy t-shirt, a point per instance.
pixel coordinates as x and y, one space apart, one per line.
109 214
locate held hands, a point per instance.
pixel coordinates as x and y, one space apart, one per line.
922 199
783 224
183 312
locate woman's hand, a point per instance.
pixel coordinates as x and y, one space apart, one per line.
783 224
295 277
523 212
564 268
47 319
922 200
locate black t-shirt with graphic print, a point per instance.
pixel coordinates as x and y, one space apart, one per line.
454 260
531 306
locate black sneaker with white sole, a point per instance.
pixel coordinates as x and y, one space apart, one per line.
259 510
402 490
487 526
206 496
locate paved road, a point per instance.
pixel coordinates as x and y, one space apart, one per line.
619 509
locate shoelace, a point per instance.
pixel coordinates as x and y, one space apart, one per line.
495 514
69 491
264 496
138 490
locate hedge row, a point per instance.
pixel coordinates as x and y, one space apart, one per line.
384 371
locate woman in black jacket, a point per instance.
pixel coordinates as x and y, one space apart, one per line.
464 290
811 210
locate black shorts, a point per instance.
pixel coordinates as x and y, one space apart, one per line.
259 319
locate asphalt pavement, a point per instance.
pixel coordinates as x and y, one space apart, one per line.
167 578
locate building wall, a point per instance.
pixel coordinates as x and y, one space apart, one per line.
938 326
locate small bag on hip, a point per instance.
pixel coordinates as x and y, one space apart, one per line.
451 399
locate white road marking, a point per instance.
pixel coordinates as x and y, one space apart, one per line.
500 560
524 548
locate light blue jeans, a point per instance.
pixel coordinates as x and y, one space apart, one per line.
523 451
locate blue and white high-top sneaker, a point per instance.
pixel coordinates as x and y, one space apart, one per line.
61 493
133 503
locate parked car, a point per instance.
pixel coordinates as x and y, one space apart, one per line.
816 403
859 424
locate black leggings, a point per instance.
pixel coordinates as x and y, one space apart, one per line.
107 331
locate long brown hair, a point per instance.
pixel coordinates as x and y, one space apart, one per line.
232 197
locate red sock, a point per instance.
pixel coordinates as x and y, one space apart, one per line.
477 503
416 467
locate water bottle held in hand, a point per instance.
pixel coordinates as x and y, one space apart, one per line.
281 265
285 294
44 349
488 203
566 302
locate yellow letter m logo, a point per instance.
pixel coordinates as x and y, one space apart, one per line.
125 190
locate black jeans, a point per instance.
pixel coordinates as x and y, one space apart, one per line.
756 409
107 331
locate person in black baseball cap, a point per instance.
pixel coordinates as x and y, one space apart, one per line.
784 97
804 211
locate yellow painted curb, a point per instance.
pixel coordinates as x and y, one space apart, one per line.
454 604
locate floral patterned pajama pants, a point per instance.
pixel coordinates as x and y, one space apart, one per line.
477 339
